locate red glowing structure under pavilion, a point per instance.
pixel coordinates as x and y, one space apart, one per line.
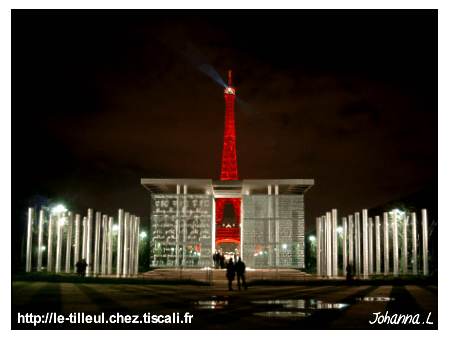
229 169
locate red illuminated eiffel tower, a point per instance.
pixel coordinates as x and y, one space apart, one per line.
229 165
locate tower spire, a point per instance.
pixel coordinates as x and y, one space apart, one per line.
229 164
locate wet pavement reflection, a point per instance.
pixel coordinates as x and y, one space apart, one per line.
302 303
282 314
375 299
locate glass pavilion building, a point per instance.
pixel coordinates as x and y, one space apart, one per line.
272 221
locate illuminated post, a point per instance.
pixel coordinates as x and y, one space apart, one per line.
386 243
335 242
69 241
110 244
76 252
40 240
277 228
414 242
136 255
319 246
344 243
131 256
119 244
270 216
50 243
84 247
405 245
378 244
357 244
395 243
370 246
98 222
59 229
90 223
328 227
183 260
365 245
425 241
324 246
178 226
29 238
350 243
104 239
126 244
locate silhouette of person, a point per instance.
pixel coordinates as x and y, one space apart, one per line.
214 258
230 273
240 272
349 272
83 267
222 261
79 266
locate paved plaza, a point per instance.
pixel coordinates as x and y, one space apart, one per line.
214 307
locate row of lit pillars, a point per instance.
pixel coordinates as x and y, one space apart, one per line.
127 243
354 237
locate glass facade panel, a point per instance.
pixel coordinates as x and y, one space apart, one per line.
273 231
182 227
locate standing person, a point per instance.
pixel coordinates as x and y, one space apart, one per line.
83 267
230 273
79 266
214 258
349 273
222 261
240 272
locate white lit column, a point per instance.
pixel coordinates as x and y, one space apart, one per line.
378 244
98 221
131 257
324 246
50 243
318 247
76 251
110 244
335 242
178 226
69 241
59 229
425 241
270 217
40 240
183 260
386 243
104 240
365 245
370 230
29 238
84 244
126 244
350 243
277 227
119 244
90 223
136 255
357 244
414 242
328 227
344 244
405 245
395 242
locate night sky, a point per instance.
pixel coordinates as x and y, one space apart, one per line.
102 99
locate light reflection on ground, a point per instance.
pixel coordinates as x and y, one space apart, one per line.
282 314
302 304
375 299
